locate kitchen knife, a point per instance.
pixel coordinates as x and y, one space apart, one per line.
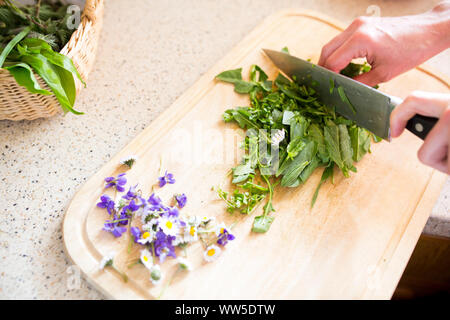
368 107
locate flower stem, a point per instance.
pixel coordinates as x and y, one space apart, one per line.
168 283
122 274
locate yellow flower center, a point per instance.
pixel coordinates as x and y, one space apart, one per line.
146 258
192 231
222 230
169 224
146 235
211 252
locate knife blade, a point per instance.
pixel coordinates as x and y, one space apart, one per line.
368 107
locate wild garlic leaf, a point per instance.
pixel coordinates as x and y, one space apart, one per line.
63 62
262 223
294 147
331 85
257 74
376 138
306 173
230 75
317 135
327 173
242 172
24 76
298 125
360 139
345 146
7 50
299 163
344 98
287 116
331 135
47 72
241 86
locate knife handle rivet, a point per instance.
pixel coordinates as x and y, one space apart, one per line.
419 127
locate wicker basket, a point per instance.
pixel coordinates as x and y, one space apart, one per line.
16 103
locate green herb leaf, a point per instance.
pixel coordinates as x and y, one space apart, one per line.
241 86
327 173
262 223
230 75
6 51
285 50
344 98
24 76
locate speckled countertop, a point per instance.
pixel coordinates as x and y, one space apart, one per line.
149 53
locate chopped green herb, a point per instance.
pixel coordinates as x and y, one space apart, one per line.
308 134
344 98
285 50
331 85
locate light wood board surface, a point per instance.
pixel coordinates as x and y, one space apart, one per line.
354 244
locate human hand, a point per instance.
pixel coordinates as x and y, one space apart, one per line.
435 151
391 45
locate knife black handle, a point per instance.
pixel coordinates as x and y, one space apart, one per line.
421 125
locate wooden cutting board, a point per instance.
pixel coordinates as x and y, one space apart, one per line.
354 244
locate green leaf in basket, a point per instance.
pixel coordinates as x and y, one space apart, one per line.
67 83
24 76
12 44
35 45
55 79
63 62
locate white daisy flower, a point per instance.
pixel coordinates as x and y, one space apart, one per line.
146 258
206 219
129 160
184 264
212 253
169 226
147 237
278 136
150 225
107 260
190 233
155 274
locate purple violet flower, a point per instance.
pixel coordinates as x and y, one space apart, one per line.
118 182
163 246
173 212
131 194
136 233
114 227
154 200
125 213
224 237
106 202
167 178
181 200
